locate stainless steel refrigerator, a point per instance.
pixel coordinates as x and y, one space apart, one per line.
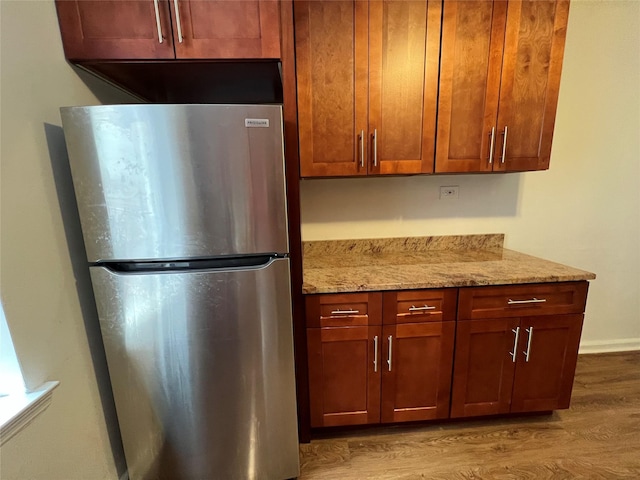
184 220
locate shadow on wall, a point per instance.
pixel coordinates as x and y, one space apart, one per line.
106 93
71 220
408 198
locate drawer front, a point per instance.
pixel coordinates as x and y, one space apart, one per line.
341 310
522 300
413 306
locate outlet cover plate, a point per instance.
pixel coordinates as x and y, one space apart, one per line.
449 192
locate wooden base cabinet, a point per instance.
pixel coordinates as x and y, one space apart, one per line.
389 357
344 361
516 364
366 368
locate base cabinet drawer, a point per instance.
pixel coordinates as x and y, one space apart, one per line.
413 306
521 300
344 309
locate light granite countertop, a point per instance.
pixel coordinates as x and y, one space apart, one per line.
424 262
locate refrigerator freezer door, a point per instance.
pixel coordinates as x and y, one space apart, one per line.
201 365
178 181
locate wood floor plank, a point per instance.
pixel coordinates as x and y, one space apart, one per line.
597 438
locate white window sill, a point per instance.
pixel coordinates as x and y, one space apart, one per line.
18 410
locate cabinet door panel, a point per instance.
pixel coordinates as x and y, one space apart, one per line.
404 38
114 30
483 368
471 58
228 29
344 385
544 382
416 384
332 69
534 46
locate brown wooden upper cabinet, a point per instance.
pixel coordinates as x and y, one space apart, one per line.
499 79
367 86
169 29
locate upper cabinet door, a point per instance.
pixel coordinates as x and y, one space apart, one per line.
404 41
149 29
534 47
471 58
499 82
331 63
226 29
112 30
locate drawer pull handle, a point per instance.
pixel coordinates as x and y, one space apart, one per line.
375 147
155 7
504 145
344 312
515 344
178 22
523 302
375 353
390 338
528 352
492 144
413 308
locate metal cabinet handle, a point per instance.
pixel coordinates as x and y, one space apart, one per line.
375 353
361 138
515 344
375 147
390 338
493 144
528 352
344 312
504 145
178 23
522 302
160 36
413 308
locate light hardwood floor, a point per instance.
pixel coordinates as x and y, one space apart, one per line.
597 438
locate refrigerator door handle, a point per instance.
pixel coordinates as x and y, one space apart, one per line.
162 266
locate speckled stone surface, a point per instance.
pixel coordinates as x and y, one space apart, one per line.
424 262
489 241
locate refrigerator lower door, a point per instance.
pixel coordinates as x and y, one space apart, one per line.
201 364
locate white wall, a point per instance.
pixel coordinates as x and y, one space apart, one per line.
584 211
43 295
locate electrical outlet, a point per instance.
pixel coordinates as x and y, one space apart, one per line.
449 192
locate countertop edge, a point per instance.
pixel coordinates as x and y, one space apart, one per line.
319 289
